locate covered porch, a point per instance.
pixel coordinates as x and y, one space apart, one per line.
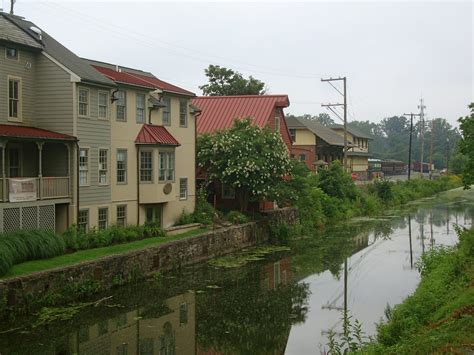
35 164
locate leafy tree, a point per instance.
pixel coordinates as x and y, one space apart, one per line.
250 159
223 82
466 146
322 118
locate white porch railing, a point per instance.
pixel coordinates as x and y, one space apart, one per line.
46 188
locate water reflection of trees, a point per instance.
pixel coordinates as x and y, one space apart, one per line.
252 314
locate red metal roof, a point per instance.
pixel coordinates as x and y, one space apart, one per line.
153 134
146 81
219 112
163 85
31 132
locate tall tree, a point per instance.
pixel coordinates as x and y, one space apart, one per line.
466 146
322 118
223 82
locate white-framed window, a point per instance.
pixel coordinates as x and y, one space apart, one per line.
146 166
183 188
228 192
11 53
167 111
166 168
83 101
293 134
103 166
122 166
277 123
121 97
140 98
14 98
183 113
83 166
83 220
103 104
122 215
103 220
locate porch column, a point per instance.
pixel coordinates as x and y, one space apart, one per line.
40 169
3 145
68 169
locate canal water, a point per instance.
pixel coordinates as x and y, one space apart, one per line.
282 303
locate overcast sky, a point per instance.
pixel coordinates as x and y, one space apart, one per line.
391 52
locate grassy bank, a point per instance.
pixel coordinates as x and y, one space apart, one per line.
439 316
91 254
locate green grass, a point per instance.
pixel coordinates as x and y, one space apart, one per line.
92 254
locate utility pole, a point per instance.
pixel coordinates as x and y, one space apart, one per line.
12 4
344 119
409 144
422 121
431 148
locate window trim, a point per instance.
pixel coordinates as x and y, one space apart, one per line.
88 149
167 155
125 182
106 105
181 179
17 58
87 223
19 79
124 216
124 119
106 217
277 126
140 166
137 95
181 101
79 89
107 170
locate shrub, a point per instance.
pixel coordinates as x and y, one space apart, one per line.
203 211
236 217
383 189
185 218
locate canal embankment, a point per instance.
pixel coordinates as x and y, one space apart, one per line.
56 285
439 316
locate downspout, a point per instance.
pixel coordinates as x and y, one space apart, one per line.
196 115
77 182
138 185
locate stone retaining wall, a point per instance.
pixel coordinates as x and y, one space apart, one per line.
111 270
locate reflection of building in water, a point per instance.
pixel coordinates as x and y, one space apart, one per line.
274 274
361 241
164 329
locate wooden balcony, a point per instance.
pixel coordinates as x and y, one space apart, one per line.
46 188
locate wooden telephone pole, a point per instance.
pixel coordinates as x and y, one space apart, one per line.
344 119
409 144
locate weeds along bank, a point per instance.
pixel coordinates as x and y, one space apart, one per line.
439 316
331 195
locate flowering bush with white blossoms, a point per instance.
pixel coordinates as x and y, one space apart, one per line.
251 159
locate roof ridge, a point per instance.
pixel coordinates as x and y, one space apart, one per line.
232 96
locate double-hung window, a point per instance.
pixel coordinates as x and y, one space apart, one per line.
83 166
103 166
166 169
103 104
83 102
11 53
103 220
167 111
122 215
183 188
121 97
146 166
122 166
293 134
14 88
83 220
183 113
140 108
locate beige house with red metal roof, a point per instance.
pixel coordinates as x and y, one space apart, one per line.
88 142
